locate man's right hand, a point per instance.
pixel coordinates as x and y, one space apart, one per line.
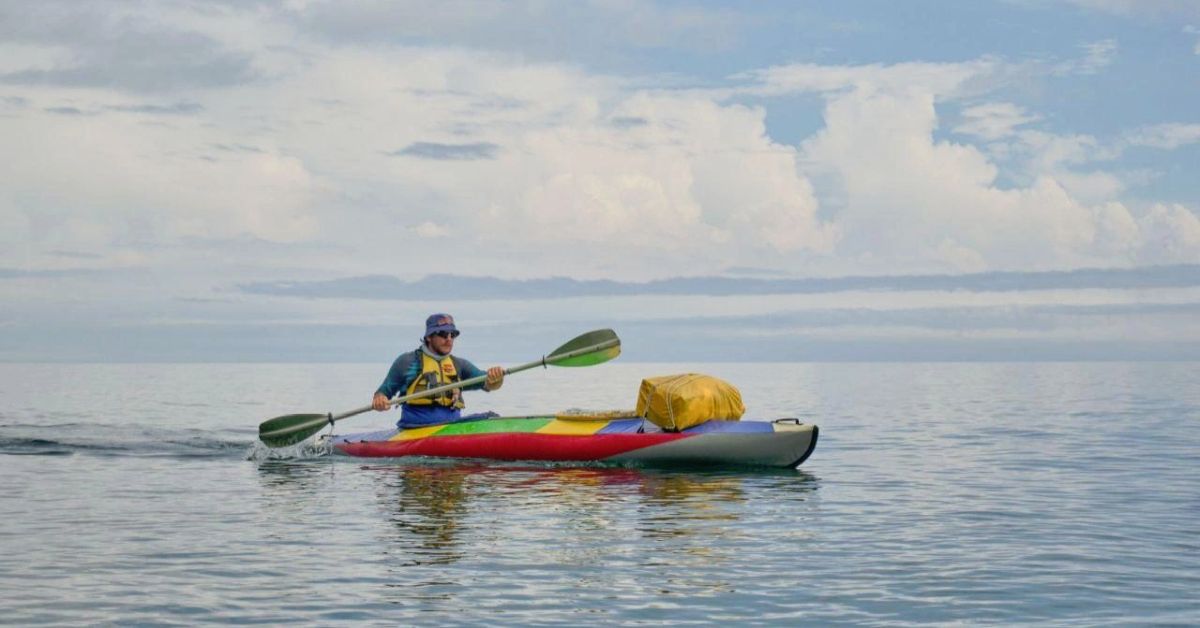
380 402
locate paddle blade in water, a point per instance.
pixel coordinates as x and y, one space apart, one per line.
598 346
290 429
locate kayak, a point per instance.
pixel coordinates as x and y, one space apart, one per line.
778 443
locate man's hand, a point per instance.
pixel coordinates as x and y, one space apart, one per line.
495 378
380 402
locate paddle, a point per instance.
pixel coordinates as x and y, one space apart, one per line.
594 347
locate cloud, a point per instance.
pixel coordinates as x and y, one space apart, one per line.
636 171
66 111
698 176
913 200
1049 152
318 140
993 121
1171 232
432 150
430 229
939 79
1165 136
1074 161
94 182
1097 56
237 148
174 109
21 273
114 45
904 195
1148 8
181 108
536 28
624 122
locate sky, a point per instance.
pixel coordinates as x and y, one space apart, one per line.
306 180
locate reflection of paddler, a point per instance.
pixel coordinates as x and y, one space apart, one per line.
702 492
694 500
431 505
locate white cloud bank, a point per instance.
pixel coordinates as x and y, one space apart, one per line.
536 168
914 201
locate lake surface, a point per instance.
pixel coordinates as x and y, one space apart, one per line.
1062 494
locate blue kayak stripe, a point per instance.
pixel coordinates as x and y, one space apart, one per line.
366 436
624 426
631 426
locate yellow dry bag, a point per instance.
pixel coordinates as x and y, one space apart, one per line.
677 402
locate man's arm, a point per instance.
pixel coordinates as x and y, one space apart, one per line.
398 378
467 370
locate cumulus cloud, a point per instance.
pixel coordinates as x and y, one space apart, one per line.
322 141
114 45
97 181
1170 233
696 176
993 121
912 200
605 172
1077 161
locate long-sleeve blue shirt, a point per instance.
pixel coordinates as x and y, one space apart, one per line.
405 369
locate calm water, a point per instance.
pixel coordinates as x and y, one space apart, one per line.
1065 494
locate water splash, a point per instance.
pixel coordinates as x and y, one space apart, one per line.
306 450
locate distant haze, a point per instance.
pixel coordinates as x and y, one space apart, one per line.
464 288
1149 313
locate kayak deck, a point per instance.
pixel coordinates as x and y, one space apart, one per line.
780 443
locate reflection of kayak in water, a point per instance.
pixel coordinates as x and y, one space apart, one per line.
780 443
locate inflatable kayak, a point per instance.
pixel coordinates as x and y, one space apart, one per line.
779 443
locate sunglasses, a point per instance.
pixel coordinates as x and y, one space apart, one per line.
445 334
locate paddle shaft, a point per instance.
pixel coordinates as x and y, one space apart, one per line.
475 380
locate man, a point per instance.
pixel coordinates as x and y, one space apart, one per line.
431 366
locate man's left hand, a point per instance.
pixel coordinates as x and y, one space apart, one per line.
495 378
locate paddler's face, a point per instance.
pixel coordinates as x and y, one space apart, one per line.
442 342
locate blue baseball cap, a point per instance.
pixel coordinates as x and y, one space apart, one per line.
439 322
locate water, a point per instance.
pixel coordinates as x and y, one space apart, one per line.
1061 494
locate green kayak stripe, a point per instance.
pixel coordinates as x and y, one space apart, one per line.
490 426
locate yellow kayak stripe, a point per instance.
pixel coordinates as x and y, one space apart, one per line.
569 427
417 432
572 427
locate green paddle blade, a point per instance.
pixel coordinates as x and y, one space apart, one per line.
607 346
290 429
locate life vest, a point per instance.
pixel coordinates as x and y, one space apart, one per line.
436 372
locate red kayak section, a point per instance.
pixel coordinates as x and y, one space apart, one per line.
512 446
